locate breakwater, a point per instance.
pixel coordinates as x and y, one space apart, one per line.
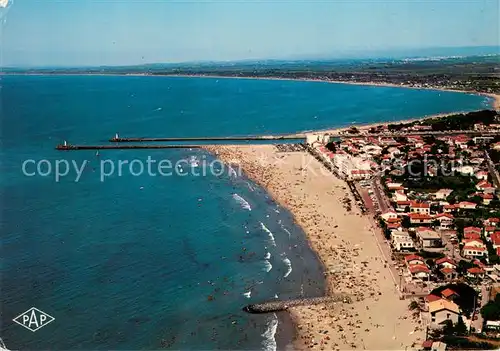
117 139
282 305
99 147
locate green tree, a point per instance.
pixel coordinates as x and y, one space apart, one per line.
463 266
448 328
413 305
460 327
406 223
491 311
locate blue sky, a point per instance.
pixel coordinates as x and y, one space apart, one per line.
116 32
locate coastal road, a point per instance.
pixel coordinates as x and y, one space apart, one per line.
485 294
380 195
493 171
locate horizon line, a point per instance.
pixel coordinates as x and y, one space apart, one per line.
367 56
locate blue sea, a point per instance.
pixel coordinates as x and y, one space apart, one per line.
136 261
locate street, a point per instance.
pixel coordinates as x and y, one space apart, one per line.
478 323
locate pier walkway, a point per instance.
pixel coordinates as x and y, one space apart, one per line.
69 147
302 136
117 139
282 305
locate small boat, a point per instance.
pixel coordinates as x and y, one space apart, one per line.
193 161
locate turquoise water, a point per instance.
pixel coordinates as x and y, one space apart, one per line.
149 262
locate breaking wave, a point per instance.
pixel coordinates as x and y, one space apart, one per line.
286 230
269 342
288 264
269 233
243 203
267 266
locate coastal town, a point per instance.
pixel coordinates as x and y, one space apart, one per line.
434 203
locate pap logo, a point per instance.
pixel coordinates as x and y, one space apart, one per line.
33 319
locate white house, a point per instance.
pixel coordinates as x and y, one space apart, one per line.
399 195
446 262
401 241
313 139
418 218
465 205
465 170
428 238
442 194
445 220
414 259
420 207
402 205
394 186
419 271
442 310
482 175
389 215
485 187
474 248
372 149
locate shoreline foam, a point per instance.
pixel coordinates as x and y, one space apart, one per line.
345 243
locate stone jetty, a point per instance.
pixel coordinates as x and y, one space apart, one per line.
282 305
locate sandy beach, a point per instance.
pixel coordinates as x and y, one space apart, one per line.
345 242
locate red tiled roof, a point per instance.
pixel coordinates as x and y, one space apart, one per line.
445 260
475 270
361 171
432 297
493 220
472 229
392 220
413 257
415 204
393 225
479 263
419 216
447 270
416 268
474 248
467 203
495 238
468 241
448 292
484 184
490 229
427 344
472 236
447 215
